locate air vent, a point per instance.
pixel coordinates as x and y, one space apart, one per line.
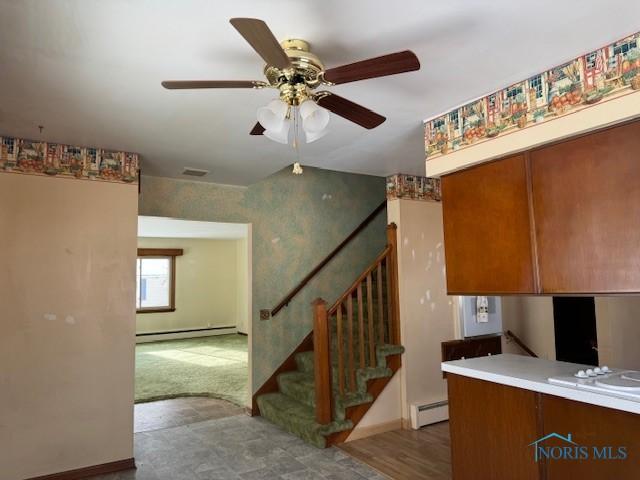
194 172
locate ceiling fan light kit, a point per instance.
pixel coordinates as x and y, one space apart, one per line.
312 137
280 135
296 72
272 117
314 118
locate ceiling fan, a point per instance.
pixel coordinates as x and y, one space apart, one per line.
296 72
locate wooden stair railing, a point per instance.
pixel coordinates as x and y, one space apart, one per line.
295 290
377 324
520 343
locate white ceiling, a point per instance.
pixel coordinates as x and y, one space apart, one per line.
162 227
90 72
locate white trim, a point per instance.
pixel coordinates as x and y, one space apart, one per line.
160 336
364 432
250 315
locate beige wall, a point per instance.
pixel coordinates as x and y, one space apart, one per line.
426 312
67 288
211 289
618 327
531 319
617 322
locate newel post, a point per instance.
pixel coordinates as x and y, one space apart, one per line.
392 241
322 361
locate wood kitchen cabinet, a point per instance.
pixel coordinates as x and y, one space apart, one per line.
596 427
586 204
492 427
559 219
487 229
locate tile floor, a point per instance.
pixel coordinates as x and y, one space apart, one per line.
236 448
181 411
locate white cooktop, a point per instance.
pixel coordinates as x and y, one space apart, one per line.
620 383
534 374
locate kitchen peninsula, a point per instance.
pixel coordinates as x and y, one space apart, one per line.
508 421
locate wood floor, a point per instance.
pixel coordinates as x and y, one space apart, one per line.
407 454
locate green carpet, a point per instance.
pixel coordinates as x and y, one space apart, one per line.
293 406
214 366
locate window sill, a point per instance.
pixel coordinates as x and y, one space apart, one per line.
156 310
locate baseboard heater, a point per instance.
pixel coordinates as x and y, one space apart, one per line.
426 414
172 332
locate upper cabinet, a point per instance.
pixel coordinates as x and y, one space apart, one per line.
487 229
561 219
586 203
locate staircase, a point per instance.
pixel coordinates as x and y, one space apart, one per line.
326 386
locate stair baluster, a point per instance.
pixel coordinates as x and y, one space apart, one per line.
372 347
360 329
328 383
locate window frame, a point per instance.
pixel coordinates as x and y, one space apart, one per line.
171 254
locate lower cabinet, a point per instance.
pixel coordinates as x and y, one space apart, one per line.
611 439
494 430
491 426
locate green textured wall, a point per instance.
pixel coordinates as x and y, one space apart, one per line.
297 220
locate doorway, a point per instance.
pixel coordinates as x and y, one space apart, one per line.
574 320
193 304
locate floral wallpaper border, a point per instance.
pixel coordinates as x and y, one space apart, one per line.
31 157
609 72
413 187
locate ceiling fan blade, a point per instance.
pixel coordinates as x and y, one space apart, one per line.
257 129
185 84
257 33
391 64
349 110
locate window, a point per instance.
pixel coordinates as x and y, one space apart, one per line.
454 119
513 92
536 84
155 280
623 47
590 60
438 123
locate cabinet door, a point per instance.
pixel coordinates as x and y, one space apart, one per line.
487 234
491 427
586 202
591 426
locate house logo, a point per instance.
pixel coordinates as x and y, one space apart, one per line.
570 450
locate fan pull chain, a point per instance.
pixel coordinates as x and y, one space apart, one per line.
297 168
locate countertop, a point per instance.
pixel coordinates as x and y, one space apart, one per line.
531 374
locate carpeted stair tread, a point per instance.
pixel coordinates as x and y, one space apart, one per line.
293 407
350 399
298 418
299 386
389 349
